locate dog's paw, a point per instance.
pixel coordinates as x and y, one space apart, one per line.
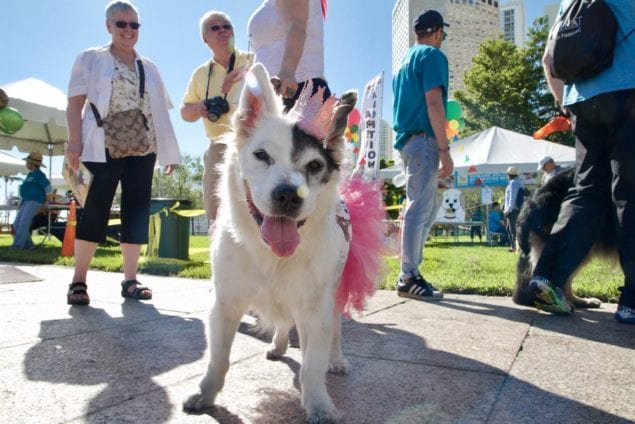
587 302
338 366
196 403
275 354
330 416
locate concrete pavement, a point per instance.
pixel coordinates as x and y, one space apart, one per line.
467 359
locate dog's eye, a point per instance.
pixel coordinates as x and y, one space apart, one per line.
314 167
263 156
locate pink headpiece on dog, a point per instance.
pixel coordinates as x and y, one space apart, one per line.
314 115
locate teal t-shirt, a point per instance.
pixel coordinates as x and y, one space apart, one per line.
35 186
422 69
619 76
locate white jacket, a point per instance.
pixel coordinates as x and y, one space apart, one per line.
92 77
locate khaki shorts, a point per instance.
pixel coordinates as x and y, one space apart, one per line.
211 159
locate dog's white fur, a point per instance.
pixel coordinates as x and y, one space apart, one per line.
452 206
247 275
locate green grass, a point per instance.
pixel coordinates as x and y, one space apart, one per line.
454 267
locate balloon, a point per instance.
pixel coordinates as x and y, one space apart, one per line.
355 138
454 124
461 124
453 110
354 117
4 99
11 120
354 128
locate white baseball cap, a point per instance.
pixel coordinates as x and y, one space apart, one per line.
543 162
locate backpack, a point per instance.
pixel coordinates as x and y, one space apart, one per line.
520 197
582 40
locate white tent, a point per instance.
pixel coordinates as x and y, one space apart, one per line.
493 150
43 108
485 156
10 165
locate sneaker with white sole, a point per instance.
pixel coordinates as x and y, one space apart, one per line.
417 288
625 314
548 297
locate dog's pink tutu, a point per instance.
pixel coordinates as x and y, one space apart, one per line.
363 266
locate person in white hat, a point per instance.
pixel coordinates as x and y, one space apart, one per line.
514 194
549 167
33 191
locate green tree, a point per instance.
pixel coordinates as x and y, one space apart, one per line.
506 86
184 183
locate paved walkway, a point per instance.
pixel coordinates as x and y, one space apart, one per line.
467 359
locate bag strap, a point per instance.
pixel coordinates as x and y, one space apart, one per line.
142 89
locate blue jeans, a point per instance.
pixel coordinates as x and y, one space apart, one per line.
420 161
22 224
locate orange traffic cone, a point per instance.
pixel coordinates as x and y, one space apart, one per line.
68 246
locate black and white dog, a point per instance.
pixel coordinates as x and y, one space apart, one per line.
537 216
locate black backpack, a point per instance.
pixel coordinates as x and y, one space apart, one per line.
582 40
520 197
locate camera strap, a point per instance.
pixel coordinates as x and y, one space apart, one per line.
232 62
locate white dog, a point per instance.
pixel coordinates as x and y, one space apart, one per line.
452 206
282 237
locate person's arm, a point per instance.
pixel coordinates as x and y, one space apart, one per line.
555 85
191 112
74 123
296 14
436 113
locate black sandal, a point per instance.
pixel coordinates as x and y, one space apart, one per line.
139 293
77 294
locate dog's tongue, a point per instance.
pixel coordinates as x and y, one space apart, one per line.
281 234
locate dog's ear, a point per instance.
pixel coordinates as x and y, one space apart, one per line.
343 107
257 99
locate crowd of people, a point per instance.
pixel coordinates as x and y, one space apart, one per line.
113 82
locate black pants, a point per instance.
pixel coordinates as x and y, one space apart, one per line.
604 127
510 225
135 174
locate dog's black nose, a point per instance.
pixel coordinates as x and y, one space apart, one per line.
286 200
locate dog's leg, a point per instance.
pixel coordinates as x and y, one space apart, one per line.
580 302
280 342
316 331
337 363
223 324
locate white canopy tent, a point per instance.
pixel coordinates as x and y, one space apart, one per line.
43 108
10 165
486 155
493 150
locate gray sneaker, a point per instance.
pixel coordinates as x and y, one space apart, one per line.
417 288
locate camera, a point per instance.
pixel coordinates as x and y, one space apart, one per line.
216 106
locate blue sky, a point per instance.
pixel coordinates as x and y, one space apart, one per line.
41 38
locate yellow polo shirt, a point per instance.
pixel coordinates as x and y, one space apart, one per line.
195 91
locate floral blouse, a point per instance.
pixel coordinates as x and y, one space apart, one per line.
125 96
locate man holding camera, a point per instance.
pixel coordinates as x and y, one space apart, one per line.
213 94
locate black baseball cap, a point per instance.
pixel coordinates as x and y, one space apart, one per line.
429 21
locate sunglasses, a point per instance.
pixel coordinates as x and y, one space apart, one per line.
444 35
215 28
123 24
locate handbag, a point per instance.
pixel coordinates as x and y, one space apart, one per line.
126 132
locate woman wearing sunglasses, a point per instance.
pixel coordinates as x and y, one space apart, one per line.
213 94
107 81
288 39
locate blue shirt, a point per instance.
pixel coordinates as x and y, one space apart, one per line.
493 221
422 68
511 193
35 186
620 75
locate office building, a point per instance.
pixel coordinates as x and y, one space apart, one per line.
471 23
512 21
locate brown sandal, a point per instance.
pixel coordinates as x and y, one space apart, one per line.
139 293
77 294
